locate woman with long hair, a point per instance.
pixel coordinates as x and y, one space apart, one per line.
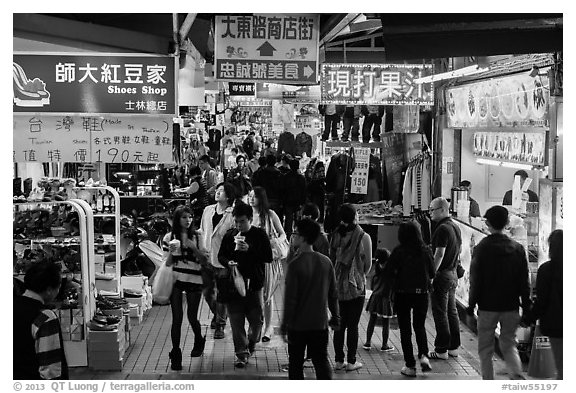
267 219
549 299
182 245
351 254
411 267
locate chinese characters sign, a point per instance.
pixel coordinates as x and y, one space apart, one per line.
522 147
288 93
376 84
360 174
105 84
242 89
86 139
280 48
511 101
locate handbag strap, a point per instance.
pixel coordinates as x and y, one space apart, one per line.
273 231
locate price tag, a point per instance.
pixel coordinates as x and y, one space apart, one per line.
360 174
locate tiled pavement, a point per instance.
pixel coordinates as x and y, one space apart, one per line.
147 356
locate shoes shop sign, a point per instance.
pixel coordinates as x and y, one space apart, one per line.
94 84
87 139
376 84
278 48
511 101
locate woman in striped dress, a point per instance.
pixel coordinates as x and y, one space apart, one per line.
186 262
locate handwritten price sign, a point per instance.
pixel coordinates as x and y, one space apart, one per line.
360 174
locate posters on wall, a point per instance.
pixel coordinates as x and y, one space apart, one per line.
511 101
280 48
85 139
104 84
521 147
376 84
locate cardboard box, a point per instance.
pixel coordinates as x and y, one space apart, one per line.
135 311
138 283
139 301
135 321
107 285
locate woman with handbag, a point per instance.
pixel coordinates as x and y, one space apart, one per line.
351 254
185 258
268 220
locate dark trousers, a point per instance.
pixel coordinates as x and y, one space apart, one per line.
372 120
193 298
239 310
444 312
350 312
351 123
417 303
317 343
289 217
331 126
210 291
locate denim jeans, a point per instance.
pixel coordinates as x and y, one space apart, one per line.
487 321
209 278
242 309
372 120
444 311
331 126
317 343
350 313
418 304
351 123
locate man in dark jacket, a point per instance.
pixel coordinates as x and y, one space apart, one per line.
248 145
247 248
269 179
293 188
498 280
38 351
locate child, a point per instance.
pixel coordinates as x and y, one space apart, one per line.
379 304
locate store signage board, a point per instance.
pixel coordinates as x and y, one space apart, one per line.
519 147
242 89
511 101
94 84
360 174
288 93
280 48
375 84
85 139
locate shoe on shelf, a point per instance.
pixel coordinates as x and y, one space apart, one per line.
453 353
198 349
340 366
437 355
240 362
367 346
219 333
425 363
387 348
175 356
353 366
408 371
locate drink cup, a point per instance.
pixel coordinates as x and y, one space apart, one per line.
175 243
238 239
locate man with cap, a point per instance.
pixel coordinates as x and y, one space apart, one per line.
532 197
474 207
499 285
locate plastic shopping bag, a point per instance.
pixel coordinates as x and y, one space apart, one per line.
163 284
238 281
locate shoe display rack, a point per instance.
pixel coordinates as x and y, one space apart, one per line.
61 232
105 204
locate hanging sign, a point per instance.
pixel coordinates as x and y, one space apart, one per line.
242 89
406 118
393 151
281 48
376 84
360 173
86 139
288 93
520 147
510 101
106 83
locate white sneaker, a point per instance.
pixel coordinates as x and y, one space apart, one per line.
436 355
425 363
354 366
408 371
453 353
340 365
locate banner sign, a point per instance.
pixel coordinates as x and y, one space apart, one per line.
520 147
360 174
510 101
406 118
86 139
376 84
281 48
393 151
288 93
242 89
90 84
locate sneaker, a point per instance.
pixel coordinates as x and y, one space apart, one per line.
437 355
453 353
408 371
219 333
251 347
353 366
387 348
367 346
340 365
425 363
240 362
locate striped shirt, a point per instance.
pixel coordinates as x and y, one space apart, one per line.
185 267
